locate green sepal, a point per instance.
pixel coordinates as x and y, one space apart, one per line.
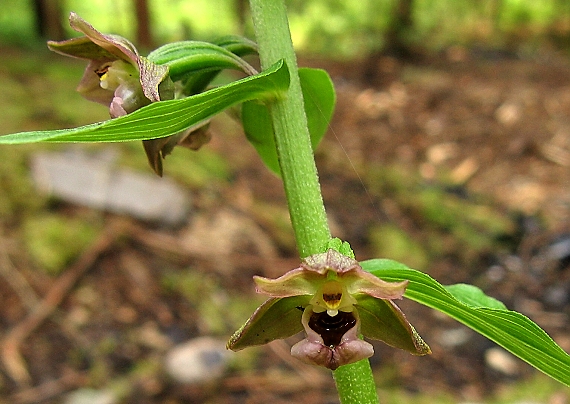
81 47
319 97
277 318
382 320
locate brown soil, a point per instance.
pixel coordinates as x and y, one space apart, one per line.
492 133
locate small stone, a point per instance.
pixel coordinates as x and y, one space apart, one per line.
464 171
496 273
560 249
441 152
95 181
454 337
508 114
91 396
513 263
556 295
502 361
558 398
197 361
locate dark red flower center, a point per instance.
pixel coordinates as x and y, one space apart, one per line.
331 329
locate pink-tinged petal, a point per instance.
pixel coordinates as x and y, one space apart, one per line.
116 45
352 348
131 97
313 349
315 353
359 281
116 108
82 48
298 281
90 88
308 278
352 276
151 74
101 48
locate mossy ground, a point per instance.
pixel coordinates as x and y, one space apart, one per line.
385 191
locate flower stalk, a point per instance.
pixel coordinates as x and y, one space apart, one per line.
299 172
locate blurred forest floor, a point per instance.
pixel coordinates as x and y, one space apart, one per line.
456 164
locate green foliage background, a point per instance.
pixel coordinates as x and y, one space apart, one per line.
338 28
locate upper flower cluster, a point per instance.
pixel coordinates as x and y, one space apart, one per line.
334 300
118 77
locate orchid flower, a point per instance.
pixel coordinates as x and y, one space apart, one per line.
118 77
335 301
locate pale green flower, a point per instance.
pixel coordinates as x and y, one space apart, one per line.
334 301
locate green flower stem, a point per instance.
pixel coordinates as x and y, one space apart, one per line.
355 383
292 137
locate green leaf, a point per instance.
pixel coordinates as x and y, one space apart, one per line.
319 97
239 46
165 118
277 318
188 57
473 296
513 331
258 129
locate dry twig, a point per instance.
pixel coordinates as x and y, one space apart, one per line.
10 353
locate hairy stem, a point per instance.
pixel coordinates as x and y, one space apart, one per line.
355 383
292 137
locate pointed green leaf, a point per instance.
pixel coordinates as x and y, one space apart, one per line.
237 45
258 129
277 318
319 97
188 57
382 320
473 296
513 331
165 118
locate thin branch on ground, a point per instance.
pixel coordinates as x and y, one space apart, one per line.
10 353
